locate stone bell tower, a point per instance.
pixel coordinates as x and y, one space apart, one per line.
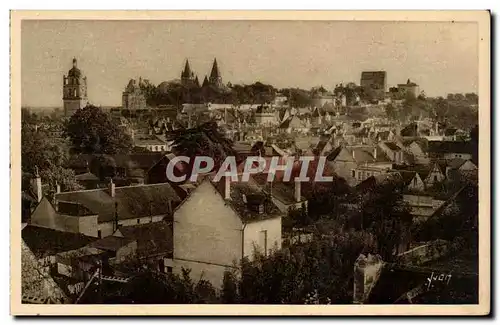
74 90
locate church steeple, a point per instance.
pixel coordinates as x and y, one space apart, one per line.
187 76
215 77
205 82
196 82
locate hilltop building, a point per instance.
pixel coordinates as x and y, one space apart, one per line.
374 83
215 76
133 98
74 90
408 88
187 76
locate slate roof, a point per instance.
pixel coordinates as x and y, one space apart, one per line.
111 243
86 177
283 191
37 285
392 146
131 201
450 147
47 242
152 238
252 191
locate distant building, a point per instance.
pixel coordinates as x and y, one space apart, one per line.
374 83
74 90
215 76
408 88
187 76
133 98
265 116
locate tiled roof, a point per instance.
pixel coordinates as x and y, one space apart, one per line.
132 201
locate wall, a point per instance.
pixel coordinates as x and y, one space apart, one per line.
367 271
419 155
252 236
343 166
424 253
203 271
207 230
453 155
107 228
126 252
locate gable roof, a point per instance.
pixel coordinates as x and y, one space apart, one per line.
131 201
241 191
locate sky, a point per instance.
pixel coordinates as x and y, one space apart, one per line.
442 57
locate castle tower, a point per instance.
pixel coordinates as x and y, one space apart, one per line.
187 76
74 90
215 77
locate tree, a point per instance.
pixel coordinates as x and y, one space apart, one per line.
390 111
388 217
92 131
57 175
204 140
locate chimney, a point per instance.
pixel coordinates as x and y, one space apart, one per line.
111 188
375 153
36 185
227 187
297 191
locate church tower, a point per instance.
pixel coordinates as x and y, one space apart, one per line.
74 90
187 76
215 77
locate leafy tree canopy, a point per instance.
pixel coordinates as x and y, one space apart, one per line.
93 131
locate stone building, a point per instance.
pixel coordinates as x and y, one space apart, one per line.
133 98
74 90
374 83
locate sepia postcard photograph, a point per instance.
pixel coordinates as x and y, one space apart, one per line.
250 163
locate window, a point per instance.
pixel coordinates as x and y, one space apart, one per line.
415 181
99 234
169 269
353 173
138 221
435 178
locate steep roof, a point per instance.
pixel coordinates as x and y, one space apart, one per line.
131 201
393 146
215 73
250 191
37 285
